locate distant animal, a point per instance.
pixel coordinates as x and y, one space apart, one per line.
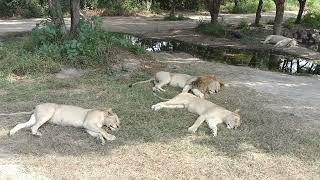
280 41
207 111
66 115
162 78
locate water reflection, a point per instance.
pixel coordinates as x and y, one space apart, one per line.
264 59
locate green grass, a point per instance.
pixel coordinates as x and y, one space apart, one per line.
216 30
180 17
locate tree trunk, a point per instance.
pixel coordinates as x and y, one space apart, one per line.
75 15
173 8
56 14
302 4
214 8
258 13
279 17
148 5
236 3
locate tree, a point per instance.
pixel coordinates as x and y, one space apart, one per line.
173 8
56 14
148 5
258 13
279 16
75 15
236 3
214 8
302 4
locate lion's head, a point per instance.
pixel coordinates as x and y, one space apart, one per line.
208 84
292 43
111 120
233 121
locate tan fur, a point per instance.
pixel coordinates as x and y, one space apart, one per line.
203 85
280 41
207 84
207 111
89 119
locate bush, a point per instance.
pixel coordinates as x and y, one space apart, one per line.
23 8
247 6
90 47
216 30
15 60
290 23
311 19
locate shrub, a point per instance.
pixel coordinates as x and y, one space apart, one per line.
247 6
217 30
290 23
15 60
311 19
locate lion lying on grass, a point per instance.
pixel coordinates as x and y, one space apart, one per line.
280 41
89 119
197 85
207 111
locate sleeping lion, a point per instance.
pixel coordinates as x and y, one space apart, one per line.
89 119
207 111
198 85
280 41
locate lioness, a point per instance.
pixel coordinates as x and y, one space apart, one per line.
207 111
280 41
66 115
184 81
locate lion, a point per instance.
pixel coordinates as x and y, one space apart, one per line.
280 41
207 111
66 115
207 84
203 84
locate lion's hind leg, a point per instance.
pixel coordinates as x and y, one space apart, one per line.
42 115
27 124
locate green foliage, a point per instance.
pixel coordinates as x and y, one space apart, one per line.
247 6
216 30
311 19
290 23
180 17
15 60
24 8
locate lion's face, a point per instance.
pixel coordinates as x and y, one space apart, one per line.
292 43
112 120
214 87
233 121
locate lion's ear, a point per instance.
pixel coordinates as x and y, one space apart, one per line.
221 83
109 111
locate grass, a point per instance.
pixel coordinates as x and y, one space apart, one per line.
180 17
216 30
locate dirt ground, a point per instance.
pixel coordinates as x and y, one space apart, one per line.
278 139
139 24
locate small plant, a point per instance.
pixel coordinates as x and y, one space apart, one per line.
311 19
216 30
290 23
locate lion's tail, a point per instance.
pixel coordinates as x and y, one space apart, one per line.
160 97
140 82
17 113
